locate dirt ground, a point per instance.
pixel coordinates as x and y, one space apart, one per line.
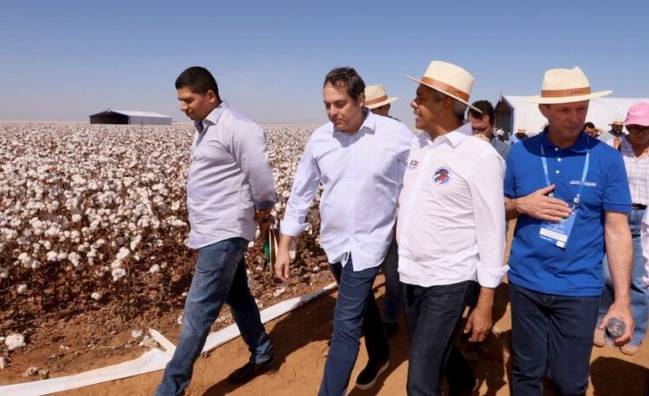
300 341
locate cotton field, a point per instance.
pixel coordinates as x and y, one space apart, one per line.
93 214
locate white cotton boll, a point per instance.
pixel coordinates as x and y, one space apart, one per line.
74 258
14 341
53 206
122 254
116 264
175 205
154 268
4 273
51 256
137 334
118 273
62 256
96 296
36 264
76 218
47 245
135 242
21 289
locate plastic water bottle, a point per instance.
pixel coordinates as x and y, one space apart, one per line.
615 327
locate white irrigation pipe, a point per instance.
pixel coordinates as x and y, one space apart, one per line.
152 360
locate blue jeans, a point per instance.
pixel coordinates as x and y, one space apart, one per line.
393 287
555 331
220 277
433 317
639 303
356 308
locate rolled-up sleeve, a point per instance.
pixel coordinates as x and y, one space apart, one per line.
486 186
305 186
251 153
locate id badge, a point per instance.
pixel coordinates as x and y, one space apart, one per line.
558 233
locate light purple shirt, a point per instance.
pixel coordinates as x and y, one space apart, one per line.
229 176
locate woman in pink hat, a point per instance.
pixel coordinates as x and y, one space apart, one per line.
635 152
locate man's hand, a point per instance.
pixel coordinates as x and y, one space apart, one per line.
480 319
622 311
479 324
282 259
264 219
541 206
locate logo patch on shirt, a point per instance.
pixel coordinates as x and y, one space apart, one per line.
586 184
442 176
413 164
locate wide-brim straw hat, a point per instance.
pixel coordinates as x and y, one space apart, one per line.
617 121
565 86
450 80
375 96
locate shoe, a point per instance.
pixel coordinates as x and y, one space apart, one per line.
629 349
367 378
249 371
467 390
390 328
598 338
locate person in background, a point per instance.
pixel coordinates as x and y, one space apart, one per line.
483 124
615 133
590 130
377 100
635 152
521 134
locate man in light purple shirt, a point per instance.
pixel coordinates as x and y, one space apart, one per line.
229 188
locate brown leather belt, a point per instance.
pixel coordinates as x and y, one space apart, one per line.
638 206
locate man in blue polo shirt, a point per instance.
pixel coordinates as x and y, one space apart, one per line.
570 195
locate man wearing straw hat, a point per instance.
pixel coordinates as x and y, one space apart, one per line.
570 196
616 132
450 230
378 101
359 158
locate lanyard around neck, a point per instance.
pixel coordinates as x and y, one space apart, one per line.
583 173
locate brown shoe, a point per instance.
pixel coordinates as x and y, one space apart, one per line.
598 339
629 349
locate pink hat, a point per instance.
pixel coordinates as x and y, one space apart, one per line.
638 114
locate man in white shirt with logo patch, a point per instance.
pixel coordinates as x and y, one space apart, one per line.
451 232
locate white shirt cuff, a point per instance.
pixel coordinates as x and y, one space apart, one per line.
291 228
489 276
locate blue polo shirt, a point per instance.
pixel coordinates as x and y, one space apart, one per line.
575 270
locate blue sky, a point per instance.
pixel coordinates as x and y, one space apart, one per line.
64 60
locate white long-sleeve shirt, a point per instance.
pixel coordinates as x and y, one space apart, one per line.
361 176
451 225
229 176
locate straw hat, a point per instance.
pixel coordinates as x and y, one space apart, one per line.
617 121
565 86
375 96
450 80
521 130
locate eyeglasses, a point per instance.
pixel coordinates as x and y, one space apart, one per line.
637 129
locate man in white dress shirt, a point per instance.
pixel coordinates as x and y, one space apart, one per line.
359 158
229 188
451 232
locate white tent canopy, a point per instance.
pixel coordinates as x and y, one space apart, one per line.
512 112
130 117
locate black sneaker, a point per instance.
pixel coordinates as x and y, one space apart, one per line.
367 378
390 328
249 371
467 389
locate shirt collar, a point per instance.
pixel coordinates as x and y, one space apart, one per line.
369 123
213 117
580 146
454 138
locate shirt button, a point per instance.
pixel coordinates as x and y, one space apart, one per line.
556 149
557 172
559 159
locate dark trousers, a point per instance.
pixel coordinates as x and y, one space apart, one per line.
433 317
356 308
553 333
